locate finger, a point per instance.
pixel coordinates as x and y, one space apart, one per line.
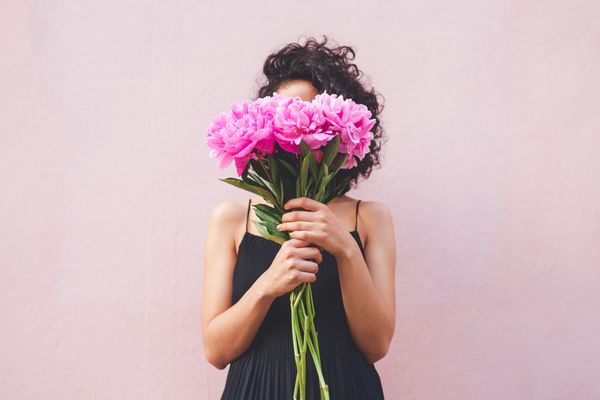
295 242
299 215
306 277
295 226
306 266
307 236
303 202
310 253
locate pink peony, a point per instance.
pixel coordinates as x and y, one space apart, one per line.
235 135
297 119
352 122
251 129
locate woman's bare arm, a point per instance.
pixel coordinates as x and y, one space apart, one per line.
227 330
368 285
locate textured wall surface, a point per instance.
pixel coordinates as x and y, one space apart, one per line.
492 172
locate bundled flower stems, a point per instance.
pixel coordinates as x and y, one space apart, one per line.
283 148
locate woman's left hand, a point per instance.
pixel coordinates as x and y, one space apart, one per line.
317 225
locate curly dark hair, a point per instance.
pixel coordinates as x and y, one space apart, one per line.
328 69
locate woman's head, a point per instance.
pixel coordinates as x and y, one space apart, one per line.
306 70
297 87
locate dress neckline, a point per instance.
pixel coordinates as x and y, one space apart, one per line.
249 234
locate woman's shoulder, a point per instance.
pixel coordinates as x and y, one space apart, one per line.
372 215
228 218
229 210
375 208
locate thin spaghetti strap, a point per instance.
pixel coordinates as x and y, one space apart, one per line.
248 213
356 222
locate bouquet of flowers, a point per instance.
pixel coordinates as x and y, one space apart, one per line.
285 148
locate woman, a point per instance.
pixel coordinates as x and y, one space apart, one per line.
245 311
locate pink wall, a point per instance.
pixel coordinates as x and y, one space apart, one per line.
492 172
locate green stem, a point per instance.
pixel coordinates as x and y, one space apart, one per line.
314 350
299 298
311 309
304 335
293 315
303 388
295 337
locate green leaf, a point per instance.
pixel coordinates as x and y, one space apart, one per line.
337 190
298 190
331 150
314 166
284 198
245 172
338 163
267 213
325 182
265 233
276 182
307 153
304 176
258 181
274 169
324 170
258 168
265 194
290 169
321 193
304 148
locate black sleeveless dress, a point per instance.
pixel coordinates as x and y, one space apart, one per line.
267 371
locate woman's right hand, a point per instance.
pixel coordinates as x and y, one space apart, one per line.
295 263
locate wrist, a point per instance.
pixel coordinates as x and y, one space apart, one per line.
262 291
348 251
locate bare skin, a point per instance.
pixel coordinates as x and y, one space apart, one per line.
368 285
301 88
